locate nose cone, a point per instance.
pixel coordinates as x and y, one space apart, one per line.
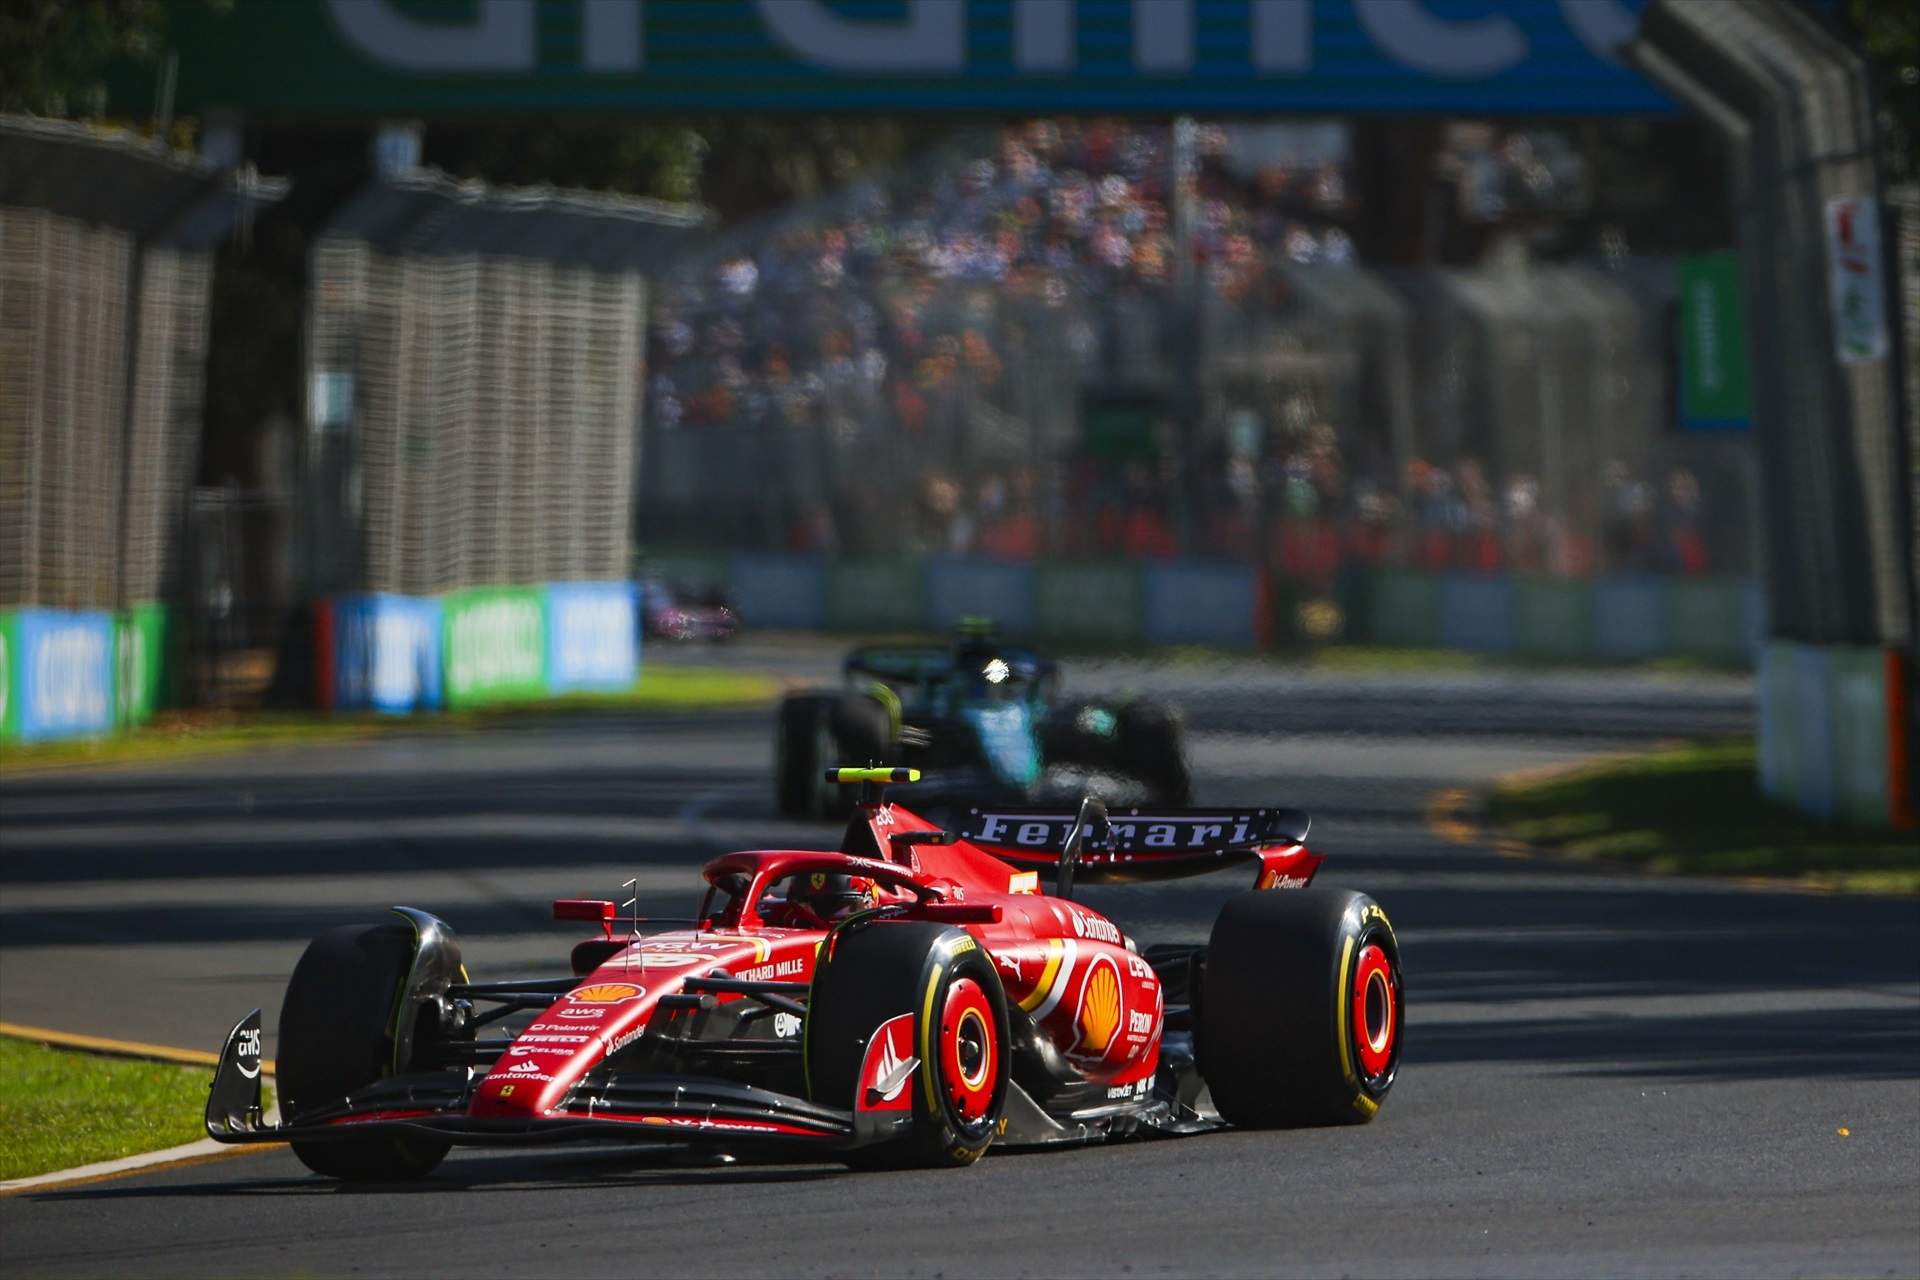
562 1045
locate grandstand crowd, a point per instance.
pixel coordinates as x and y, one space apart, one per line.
885 310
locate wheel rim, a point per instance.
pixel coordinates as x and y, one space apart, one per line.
1376 1012
969 1053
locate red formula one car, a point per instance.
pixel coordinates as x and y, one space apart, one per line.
909 1000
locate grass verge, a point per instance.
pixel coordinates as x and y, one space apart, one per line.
187 733
1696 809
63 1108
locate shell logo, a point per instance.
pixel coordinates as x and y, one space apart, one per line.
605 993
1100 1009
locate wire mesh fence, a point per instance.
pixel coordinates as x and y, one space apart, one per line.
993 351
475 360
105 272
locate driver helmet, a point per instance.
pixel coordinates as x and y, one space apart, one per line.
831 895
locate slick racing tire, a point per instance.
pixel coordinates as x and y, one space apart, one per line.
801 748
868 975
336 1027
1301 1009
1152 744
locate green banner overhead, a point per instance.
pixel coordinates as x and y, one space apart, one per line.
496 646
1716 388
984 56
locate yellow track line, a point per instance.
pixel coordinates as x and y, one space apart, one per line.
118 1048
126 1049
183 1162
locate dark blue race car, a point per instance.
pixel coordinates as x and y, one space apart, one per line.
983 718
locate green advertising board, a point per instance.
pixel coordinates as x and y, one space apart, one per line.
496 645
1716 387
9 678
612 57
140 643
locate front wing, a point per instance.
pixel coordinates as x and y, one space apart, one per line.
642 1108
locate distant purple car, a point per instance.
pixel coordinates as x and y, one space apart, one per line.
671 614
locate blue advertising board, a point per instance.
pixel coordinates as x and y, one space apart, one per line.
61 673
386 653
1326 57
592 642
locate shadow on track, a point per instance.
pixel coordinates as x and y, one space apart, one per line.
602 1169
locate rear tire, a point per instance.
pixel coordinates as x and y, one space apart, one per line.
1301 1009
867 976
799 768
336 1036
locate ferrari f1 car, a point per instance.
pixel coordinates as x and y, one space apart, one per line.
987 720
908 1000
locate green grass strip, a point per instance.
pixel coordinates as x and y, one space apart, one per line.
173 735
63 1108
1696 809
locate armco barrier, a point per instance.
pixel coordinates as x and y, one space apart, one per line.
1812 684
1833 732
386 654
1196 602
1552 618
997 589
1708 618
1862 733
495 645
592 640
875 594
1629 618
1476 612
687 570
1099 601
1625 617
1406 609
1776 704
784 592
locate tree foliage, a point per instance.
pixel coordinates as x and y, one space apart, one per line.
1888 34
738 165
54 53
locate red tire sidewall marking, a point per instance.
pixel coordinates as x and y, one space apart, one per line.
1375 1055
968 1008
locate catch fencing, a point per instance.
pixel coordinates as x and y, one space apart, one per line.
105 271
475 364
870 374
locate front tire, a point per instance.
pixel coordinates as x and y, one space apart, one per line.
867 976
336 1036
1301 1009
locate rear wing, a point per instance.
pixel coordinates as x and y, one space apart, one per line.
1152 844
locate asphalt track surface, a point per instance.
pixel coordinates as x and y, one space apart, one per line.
1604 1074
